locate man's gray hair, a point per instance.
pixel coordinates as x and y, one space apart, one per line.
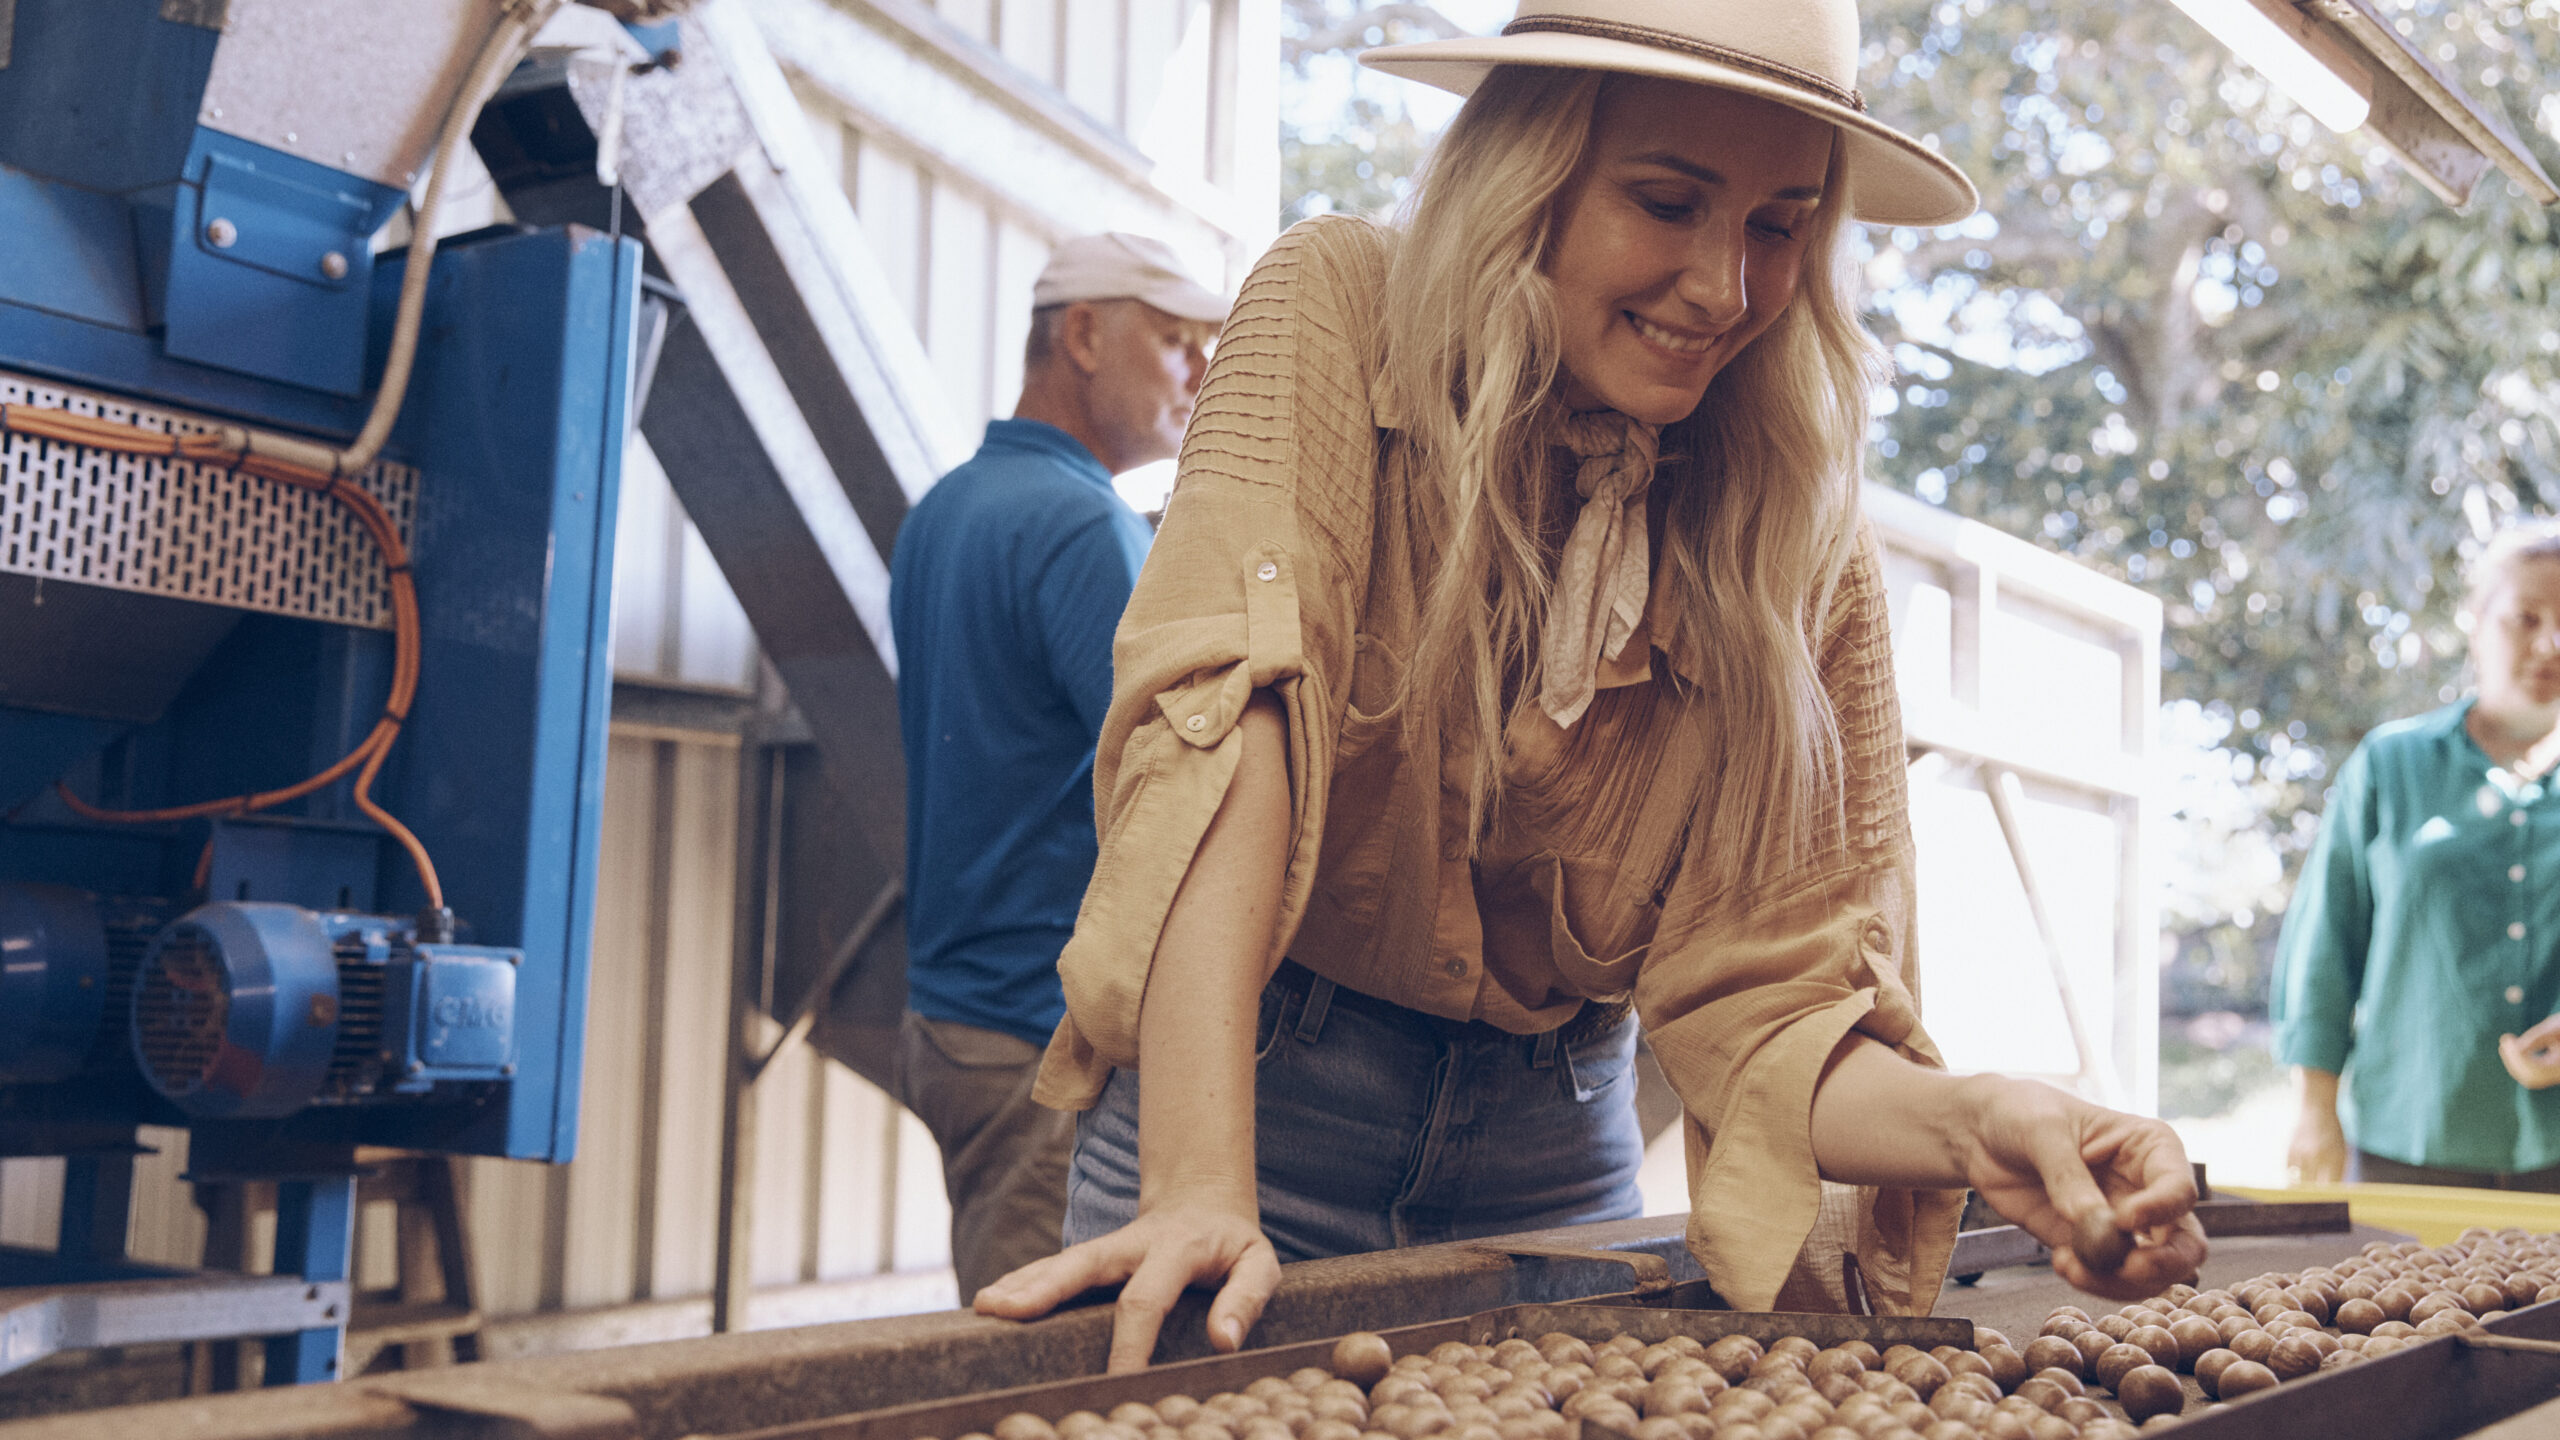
1042 342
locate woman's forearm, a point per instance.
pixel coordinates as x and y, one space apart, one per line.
1878 1119
1196 1023
2111 1193
2318 1089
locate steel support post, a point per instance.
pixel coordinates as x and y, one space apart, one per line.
315 1235
97 1208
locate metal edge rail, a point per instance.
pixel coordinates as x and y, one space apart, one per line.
724 1384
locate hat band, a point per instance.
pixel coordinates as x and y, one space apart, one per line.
1704 50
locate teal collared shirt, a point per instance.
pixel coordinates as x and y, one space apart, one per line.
2425 925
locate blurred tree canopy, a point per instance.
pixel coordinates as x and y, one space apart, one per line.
1347 141
2201 343
2196 341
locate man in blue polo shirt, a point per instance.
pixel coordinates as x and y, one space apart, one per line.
1007 582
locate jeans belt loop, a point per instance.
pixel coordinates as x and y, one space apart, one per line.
1544 1056
1311 1018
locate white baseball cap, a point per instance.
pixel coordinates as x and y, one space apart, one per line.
1119 266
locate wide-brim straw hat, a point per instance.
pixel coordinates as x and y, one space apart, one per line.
1803 54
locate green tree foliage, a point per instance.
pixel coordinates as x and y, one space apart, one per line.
1348 142
2202 344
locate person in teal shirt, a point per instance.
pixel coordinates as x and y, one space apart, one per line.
2421 955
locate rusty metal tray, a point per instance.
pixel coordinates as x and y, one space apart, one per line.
2450 1386
1592 1320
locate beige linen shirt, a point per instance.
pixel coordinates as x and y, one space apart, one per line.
1291 558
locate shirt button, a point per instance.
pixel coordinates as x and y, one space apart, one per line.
1267 571
2516 931
2515 872
1196 724
2515 994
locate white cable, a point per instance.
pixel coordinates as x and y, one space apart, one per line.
518 22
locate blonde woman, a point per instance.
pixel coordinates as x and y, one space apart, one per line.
2421 954
1511 670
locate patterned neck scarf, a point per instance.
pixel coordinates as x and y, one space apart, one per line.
1600 584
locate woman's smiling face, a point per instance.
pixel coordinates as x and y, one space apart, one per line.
1682 239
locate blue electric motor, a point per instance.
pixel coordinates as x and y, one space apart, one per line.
53 981
254 1011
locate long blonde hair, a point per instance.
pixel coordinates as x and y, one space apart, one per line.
1761 513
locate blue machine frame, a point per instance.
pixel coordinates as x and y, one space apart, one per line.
514 423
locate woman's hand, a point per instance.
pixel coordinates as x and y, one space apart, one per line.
2057 1166
2318 1154
2533 1057
2051 1163
1158 1255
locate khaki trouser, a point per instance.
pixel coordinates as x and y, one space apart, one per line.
1004 1157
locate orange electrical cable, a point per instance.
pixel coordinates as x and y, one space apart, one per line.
62 426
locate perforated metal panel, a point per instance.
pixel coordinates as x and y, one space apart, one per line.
194 531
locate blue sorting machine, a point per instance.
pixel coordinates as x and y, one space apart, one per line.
178 629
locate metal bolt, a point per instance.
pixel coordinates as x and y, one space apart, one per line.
506 1069
417 1067
290 137
348 158
222 233
215 112
334 265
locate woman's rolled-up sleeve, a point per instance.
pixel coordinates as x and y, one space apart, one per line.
1252 583
1746 1006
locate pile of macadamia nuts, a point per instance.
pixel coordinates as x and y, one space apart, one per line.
2273 1328
2235 1341
1678 1389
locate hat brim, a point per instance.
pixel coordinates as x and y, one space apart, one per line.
1186 301
1894 179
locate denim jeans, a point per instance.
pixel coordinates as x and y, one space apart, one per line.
1377 1126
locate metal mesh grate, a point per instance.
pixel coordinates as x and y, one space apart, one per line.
180 528
181 1004
362 996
